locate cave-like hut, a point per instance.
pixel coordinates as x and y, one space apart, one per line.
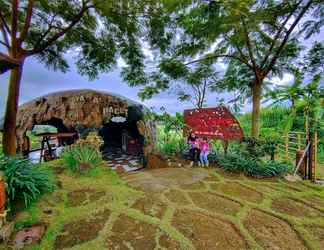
118 120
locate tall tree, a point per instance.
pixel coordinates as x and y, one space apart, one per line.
98 32
194 86
199 81
261 35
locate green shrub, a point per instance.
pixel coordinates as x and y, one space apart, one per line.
255 148
81 157
252 166
172 146
25 180
170 142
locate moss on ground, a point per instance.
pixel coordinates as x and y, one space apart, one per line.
181 217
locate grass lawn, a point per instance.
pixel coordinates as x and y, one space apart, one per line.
177 208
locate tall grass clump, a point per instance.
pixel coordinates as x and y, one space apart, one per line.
170 142
81 157
251 158
250 166
25 181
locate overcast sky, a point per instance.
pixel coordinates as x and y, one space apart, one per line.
37 81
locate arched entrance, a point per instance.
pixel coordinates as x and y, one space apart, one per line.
61 128
45 137
122 136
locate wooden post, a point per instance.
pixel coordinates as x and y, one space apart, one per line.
314 157
3 199
301 162
42 150
308 140
306 125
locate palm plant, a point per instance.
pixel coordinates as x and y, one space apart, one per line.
291 93
314 95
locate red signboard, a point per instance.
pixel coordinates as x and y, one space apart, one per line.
214 123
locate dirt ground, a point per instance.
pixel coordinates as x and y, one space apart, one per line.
180 208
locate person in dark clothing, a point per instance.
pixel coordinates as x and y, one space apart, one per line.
194 151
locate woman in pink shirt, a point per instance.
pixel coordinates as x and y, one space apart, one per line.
204 151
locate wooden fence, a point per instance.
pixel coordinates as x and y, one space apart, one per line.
295 143
289 144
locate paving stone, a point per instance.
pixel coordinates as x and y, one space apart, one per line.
128 233
207 232
271 232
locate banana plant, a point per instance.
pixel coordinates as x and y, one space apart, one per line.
314 95
291 93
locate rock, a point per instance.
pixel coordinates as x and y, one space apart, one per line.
28 236
129 233
120 169
157 161
293 178
80 231
84 167
207 232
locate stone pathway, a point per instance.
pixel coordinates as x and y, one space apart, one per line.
184 209
228 211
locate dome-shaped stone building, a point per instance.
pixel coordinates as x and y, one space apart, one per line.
116 119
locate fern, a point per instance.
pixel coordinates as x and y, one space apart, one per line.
25 180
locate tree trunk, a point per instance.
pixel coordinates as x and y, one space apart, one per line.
9 128
256 102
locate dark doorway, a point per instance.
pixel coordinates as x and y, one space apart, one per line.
121 137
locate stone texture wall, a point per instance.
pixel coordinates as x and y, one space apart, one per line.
86 108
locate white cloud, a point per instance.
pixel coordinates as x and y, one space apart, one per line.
121 63
285 80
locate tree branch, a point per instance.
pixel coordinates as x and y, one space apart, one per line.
238 49
5 44
249 45
3 21
274 41
220 55
9 58
204 92
58 35
43 36
4 34
14 26
29 14
285 40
